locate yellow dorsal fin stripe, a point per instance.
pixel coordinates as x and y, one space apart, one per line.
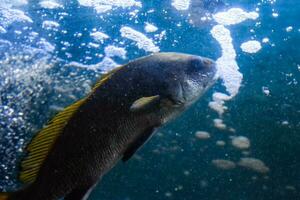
40 145
3 196
106 77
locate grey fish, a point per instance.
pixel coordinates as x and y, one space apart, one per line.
68 157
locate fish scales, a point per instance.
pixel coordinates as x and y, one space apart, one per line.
120 114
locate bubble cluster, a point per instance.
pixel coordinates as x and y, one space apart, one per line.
50 4
240 142
142 41
251 46
102 6
181 4
223 164
202 135
254 164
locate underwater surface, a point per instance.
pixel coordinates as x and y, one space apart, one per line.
241 140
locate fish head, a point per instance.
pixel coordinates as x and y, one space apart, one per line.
187 78
181 79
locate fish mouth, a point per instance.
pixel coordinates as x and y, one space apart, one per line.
215 74
177 101
211 67
191 88
197 88
211 74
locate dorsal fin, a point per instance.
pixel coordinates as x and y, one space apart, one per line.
105 77
40 145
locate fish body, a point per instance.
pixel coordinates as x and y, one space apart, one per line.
71 154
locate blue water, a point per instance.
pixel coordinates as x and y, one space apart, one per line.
174 164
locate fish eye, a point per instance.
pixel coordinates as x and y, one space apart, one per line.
195 64
207 62
173 101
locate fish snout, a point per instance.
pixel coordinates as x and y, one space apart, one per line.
201 64
208 63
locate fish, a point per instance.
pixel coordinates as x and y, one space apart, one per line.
70 155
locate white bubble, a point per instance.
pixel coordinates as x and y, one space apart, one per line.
112 51
251 46
93 45
290 187
218 102
234 16
77 34
265 40
2 30
106 65
18 32
99 36
254 164
220 143
289 29
50 4
48 25
202 135
240 142
275 15
203 183
102 6
218 123
266 90
142 41
227 67
186 173
160 35
149 28
13 3
13 15
181 4
168 194
246 153
223 164
44 44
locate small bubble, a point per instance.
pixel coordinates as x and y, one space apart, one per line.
186 173
289 29
168 194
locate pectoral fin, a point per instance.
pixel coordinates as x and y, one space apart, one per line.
142 139
80 193
145 103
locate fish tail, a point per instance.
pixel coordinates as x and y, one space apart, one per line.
20 194
4 195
